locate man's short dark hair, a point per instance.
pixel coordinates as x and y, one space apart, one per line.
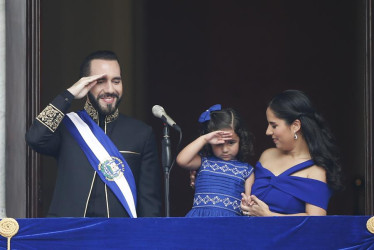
101 54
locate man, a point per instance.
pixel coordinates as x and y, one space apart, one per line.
107 162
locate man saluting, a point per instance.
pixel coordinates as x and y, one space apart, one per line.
107 162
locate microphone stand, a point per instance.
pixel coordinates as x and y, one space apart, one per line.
166 164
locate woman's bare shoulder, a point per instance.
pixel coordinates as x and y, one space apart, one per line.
270 154
317 173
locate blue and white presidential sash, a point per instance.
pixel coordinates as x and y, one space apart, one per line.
104 157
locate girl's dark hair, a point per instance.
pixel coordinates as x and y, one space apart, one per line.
228 118
291 105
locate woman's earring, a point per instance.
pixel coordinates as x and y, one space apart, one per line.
295 136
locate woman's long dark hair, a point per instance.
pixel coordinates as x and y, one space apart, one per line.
228 118
291 105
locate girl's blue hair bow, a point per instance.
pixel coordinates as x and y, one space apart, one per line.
205 116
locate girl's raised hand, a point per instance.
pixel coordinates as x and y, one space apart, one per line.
218 137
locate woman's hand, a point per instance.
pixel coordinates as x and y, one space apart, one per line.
258 207
253 206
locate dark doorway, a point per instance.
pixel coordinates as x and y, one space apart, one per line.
241 53
190 55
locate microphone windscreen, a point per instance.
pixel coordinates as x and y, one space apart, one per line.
158 111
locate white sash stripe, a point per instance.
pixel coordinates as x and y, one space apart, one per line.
101 153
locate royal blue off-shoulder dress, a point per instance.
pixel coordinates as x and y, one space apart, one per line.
288 194
218 187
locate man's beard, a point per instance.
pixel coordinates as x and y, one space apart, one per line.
106 110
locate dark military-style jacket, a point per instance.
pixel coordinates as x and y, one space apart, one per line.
78 191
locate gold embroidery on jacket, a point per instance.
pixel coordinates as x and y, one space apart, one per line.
50 117
94 114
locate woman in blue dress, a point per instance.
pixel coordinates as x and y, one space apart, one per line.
296 177
219 155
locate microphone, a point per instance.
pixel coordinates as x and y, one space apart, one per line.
159 112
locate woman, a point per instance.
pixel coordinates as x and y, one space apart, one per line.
298 175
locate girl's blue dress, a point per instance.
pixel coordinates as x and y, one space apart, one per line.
218 187
288 194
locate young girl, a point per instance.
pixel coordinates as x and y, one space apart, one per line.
219 156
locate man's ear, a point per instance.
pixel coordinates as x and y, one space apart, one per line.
296 126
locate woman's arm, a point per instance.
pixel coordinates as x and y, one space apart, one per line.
260 208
